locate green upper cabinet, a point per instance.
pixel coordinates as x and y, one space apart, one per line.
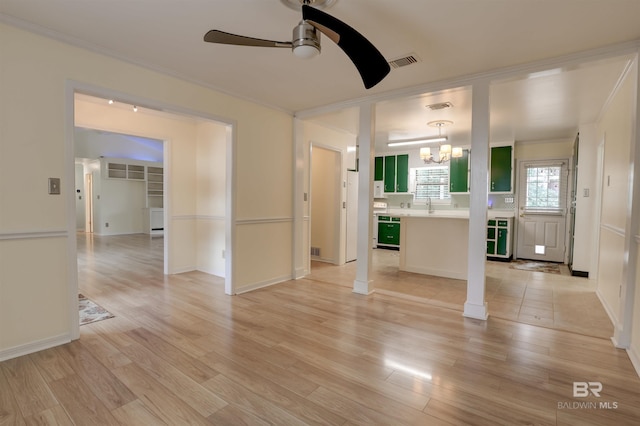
378 170
390 173
459 173
501 169
402 173
396 173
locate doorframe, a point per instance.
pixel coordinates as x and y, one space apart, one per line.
338 245
68 184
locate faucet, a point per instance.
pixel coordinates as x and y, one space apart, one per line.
429 208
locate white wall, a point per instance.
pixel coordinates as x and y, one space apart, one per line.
615 129
210 200
37 305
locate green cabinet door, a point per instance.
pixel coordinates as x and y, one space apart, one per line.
459 173
501 243
390 173
378 169
402 173
500 169
389 233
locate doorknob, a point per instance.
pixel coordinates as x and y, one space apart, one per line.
521 214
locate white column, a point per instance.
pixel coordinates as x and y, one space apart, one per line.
475 306
363 283
300 261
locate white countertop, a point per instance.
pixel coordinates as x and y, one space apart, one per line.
445 214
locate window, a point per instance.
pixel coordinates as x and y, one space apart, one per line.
430 182
544 189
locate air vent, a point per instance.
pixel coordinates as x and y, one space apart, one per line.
315 251
404 61
441 105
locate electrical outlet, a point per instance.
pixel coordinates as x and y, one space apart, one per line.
508 200
106 225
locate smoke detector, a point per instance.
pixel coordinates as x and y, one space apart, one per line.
439 106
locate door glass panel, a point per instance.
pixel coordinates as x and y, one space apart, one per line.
544 191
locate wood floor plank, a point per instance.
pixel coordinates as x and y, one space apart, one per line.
54 416
161 401
277 394
170 375
80 403
251 402
29 389
10 413
136 413
97 377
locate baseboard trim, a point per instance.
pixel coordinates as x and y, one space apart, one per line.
607 308
257 286
635 359
36 346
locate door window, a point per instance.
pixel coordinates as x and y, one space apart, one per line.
545 188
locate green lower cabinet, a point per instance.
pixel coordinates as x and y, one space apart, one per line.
499 239
389 233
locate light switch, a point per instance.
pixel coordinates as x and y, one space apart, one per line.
54 186
585 192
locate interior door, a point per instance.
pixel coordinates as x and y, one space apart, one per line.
543 210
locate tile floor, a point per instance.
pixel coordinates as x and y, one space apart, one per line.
558 301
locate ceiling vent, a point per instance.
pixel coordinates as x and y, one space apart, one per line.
439 106
404 61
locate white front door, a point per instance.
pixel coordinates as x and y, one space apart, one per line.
543 210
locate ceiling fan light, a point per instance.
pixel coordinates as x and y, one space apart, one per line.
306 41
305 51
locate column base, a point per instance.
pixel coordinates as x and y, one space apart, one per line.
472 310
362 287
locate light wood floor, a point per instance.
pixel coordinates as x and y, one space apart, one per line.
303 352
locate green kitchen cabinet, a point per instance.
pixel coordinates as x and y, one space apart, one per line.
396 173
501 176
459 173
499 238
389 231
378 169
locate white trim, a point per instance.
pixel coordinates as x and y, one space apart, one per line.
26 235
635 359
184 270
263 220
613 229
363 287
37 345
479 312
263 284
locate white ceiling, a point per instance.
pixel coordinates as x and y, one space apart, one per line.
453 38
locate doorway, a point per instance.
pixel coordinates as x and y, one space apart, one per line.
543 210
326 196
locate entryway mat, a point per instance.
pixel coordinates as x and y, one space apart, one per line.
535 266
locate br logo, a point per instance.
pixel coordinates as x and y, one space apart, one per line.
584 389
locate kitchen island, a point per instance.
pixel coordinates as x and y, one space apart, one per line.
437 243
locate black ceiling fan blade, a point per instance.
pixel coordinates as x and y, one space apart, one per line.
217 36
371 65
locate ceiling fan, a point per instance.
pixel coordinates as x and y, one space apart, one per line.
370 63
